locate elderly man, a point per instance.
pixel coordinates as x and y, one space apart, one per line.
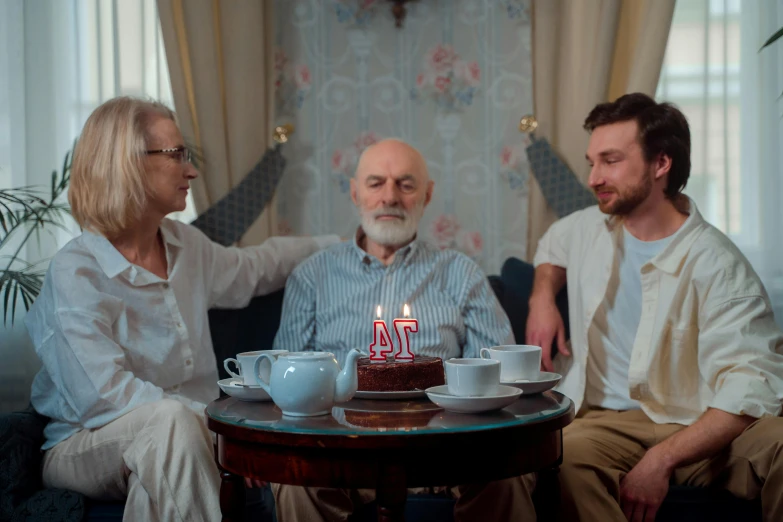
331 298
675 357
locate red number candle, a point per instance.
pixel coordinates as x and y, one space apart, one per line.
381 343
403 327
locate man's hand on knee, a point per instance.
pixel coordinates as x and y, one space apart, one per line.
643 489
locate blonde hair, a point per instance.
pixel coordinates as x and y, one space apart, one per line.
108 187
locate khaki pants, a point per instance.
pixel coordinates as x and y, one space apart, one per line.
496 501
158 456
601 446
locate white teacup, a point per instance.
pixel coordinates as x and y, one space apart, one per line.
472 377
517 361
245 362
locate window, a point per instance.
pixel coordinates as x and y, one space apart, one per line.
701 74
729 91
119 51
64 58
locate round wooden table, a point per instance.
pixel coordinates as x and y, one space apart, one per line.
386 445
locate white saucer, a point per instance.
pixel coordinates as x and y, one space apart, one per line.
389 395
440 395
235 388
546 381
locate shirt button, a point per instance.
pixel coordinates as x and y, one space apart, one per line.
166 286
188 362
179 325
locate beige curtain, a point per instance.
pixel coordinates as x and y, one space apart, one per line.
220 57
586 52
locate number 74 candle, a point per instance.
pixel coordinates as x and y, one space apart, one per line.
403 327
381 341
382 346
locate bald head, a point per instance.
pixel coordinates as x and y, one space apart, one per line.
392 154
391 187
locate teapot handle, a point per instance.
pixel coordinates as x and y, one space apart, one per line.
257 366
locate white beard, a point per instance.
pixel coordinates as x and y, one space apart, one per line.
392 233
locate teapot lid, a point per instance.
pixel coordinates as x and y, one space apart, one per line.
309 355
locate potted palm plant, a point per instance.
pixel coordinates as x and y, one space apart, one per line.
24 213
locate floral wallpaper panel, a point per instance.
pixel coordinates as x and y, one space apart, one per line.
453 82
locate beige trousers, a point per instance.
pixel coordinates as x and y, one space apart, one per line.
159 457
496 501
601 446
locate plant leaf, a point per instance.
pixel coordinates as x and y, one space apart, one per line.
5 308
5 282
27 301
13 303
31 286
20 284
772 38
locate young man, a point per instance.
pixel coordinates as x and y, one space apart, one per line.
674 364
330 302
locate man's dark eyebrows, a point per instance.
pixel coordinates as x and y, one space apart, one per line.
606 153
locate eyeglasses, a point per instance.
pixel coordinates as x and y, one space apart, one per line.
182 154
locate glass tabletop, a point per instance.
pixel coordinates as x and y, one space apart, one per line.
400 417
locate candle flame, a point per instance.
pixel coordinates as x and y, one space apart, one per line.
406 311
378 311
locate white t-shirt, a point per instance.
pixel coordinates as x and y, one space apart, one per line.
613 331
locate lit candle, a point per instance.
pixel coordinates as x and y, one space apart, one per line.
403 327
381 343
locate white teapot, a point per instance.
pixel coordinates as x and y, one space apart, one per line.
306 384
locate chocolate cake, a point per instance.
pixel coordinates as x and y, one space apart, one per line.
420 374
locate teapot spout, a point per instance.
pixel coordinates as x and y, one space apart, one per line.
347 380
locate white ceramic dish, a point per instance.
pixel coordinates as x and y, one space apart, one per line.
546 381
440 395
390 395
235 388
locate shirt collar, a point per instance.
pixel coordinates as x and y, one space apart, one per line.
670 258
109 258
405 253
112 262
168 235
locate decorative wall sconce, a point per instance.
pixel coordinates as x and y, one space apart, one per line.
399 11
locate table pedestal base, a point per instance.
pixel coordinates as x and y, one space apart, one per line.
391 493
232 497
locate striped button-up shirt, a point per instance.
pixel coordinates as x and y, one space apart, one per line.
331 300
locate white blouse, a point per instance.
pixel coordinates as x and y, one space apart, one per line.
113 336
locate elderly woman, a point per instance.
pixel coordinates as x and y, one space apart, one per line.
121 323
